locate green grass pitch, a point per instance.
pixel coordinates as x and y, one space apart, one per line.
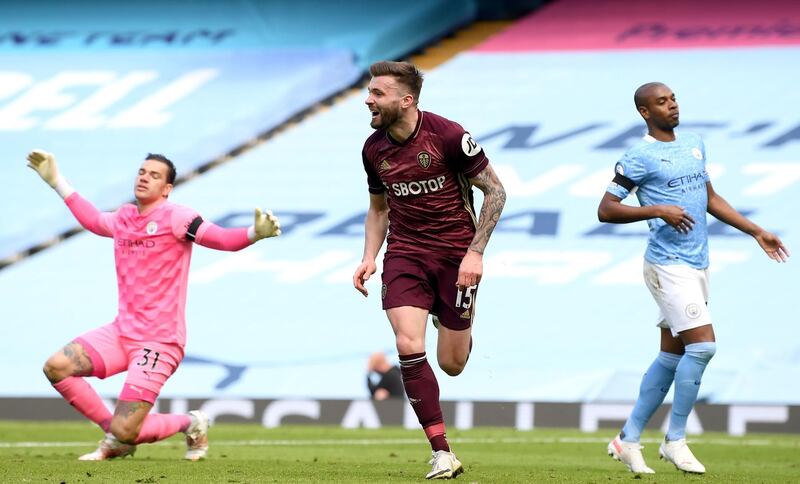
47 452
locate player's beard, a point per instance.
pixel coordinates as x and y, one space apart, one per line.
671 123
666 124
388 116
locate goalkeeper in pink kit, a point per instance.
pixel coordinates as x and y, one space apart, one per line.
152 250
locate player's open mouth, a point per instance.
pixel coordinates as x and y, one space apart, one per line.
374 114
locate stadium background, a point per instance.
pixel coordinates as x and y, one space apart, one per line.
261 104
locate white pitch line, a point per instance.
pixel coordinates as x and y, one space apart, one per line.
406 441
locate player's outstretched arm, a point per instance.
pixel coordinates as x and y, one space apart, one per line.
44 164
213 236
375 227
723 211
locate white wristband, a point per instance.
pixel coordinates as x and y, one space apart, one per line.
251 233
63 187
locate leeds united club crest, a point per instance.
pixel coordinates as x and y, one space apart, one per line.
424 159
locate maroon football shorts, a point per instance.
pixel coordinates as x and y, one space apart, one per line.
428 281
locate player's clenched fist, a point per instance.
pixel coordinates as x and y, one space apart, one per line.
266 225
44 164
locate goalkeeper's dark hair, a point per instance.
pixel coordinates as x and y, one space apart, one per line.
171 172
405 73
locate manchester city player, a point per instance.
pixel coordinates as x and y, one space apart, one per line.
668 173
153 241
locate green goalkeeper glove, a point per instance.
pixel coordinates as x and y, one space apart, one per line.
266 225
44 164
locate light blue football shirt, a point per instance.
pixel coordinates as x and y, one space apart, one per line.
670 173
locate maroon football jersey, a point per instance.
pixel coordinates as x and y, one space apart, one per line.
426 181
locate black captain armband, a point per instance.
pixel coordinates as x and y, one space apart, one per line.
622 181
191 232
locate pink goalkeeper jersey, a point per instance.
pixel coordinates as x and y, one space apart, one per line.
152 251
152 257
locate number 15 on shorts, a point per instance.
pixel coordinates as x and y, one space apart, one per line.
464 298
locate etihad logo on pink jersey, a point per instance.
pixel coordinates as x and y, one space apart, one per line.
403 189
136 244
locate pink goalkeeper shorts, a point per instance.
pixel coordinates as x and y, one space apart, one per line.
149 364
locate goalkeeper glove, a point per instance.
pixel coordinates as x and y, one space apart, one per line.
44 164
266 225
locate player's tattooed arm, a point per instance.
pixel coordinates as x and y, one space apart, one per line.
494 198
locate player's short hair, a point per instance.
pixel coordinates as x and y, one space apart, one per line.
640 96
405 73
171 172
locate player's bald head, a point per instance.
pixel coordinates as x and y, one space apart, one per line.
644 92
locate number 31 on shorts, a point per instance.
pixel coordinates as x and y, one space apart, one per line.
464 298
146 358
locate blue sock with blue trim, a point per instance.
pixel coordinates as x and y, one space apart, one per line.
687 383
654 387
